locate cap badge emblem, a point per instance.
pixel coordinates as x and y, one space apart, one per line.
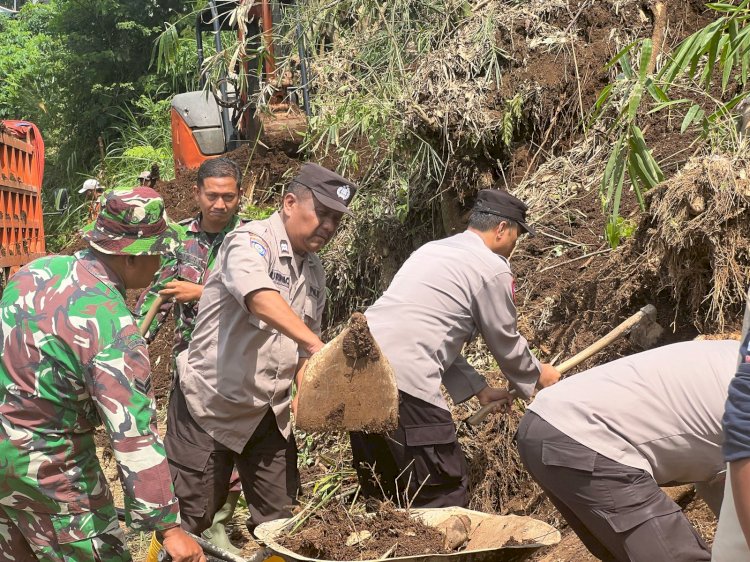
343 192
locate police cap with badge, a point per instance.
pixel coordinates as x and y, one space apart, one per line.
329 188
503 204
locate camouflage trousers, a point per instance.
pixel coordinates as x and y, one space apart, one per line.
32 537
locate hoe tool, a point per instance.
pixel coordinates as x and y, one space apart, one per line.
349 385
643 329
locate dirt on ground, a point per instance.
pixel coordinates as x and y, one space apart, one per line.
332 533
571 287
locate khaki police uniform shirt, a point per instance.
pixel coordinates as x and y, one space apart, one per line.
444 294
659 410
237 365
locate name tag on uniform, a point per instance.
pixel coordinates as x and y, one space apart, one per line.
185 257
279 278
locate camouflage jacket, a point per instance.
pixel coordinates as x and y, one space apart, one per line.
71 358
191 262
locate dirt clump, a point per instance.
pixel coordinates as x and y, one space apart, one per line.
332 533
332 398
358 340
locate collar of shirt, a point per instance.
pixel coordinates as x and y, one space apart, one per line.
100 270
475 240
194 227
285 250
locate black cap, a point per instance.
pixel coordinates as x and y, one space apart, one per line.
331 189
503 204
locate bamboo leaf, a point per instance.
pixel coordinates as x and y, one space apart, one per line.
727 61
634 101
602 99
667 104
646 50
627 68
656 92
689 116
623 52
636 136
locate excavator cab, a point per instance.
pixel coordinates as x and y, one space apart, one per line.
205 123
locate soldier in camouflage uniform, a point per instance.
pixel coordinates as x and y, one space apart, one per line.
181 279
71 358
183 272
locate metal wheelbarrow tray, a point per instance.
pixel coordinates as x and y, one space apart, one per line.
496 538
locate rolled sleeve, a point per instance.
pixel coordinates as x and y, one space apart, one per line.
495 315
245 265
120 385
462 381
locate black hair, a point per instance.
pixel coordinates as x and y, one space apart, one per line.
483 222
219 168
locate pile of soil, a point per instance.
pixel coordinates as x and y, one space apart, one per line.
326 533
265 168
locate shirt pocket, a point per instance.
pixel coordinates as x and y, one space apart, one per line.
187 271
311 310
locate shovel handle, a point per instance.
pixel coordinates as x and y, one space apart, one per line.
577 359
150 315
598 345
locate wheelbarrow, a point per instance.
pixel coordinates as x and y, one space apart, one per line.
495 538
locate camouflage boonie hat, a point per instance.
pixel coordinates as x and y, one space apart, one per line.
132 222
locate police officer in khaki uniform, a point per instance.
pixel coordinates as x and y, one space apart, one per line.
259 320
444 294
602 442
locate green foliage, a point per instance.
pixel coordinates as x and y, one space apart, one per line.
69 64
719 50
370 61
511 117
253 213
145 139
629 155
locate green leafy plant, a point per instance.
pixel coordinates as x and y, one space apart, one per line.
629 154
722 49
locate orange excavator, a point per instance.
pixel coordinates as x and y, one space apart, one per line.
213 121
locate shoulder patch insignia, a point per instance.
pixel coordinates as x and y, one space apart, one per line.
259 244
284 247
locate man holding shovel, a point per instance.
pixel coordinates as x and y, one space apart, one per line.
602 442
71 358
444 294
260 317
179 282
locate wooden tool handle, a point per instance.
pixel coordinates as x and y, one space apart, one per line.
598 345
150 315
603 342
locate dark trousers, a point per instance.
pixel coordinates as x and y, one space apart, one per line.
201 468
420 463
618 512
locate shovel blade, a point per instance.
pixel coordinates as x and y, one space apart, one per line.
349 385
